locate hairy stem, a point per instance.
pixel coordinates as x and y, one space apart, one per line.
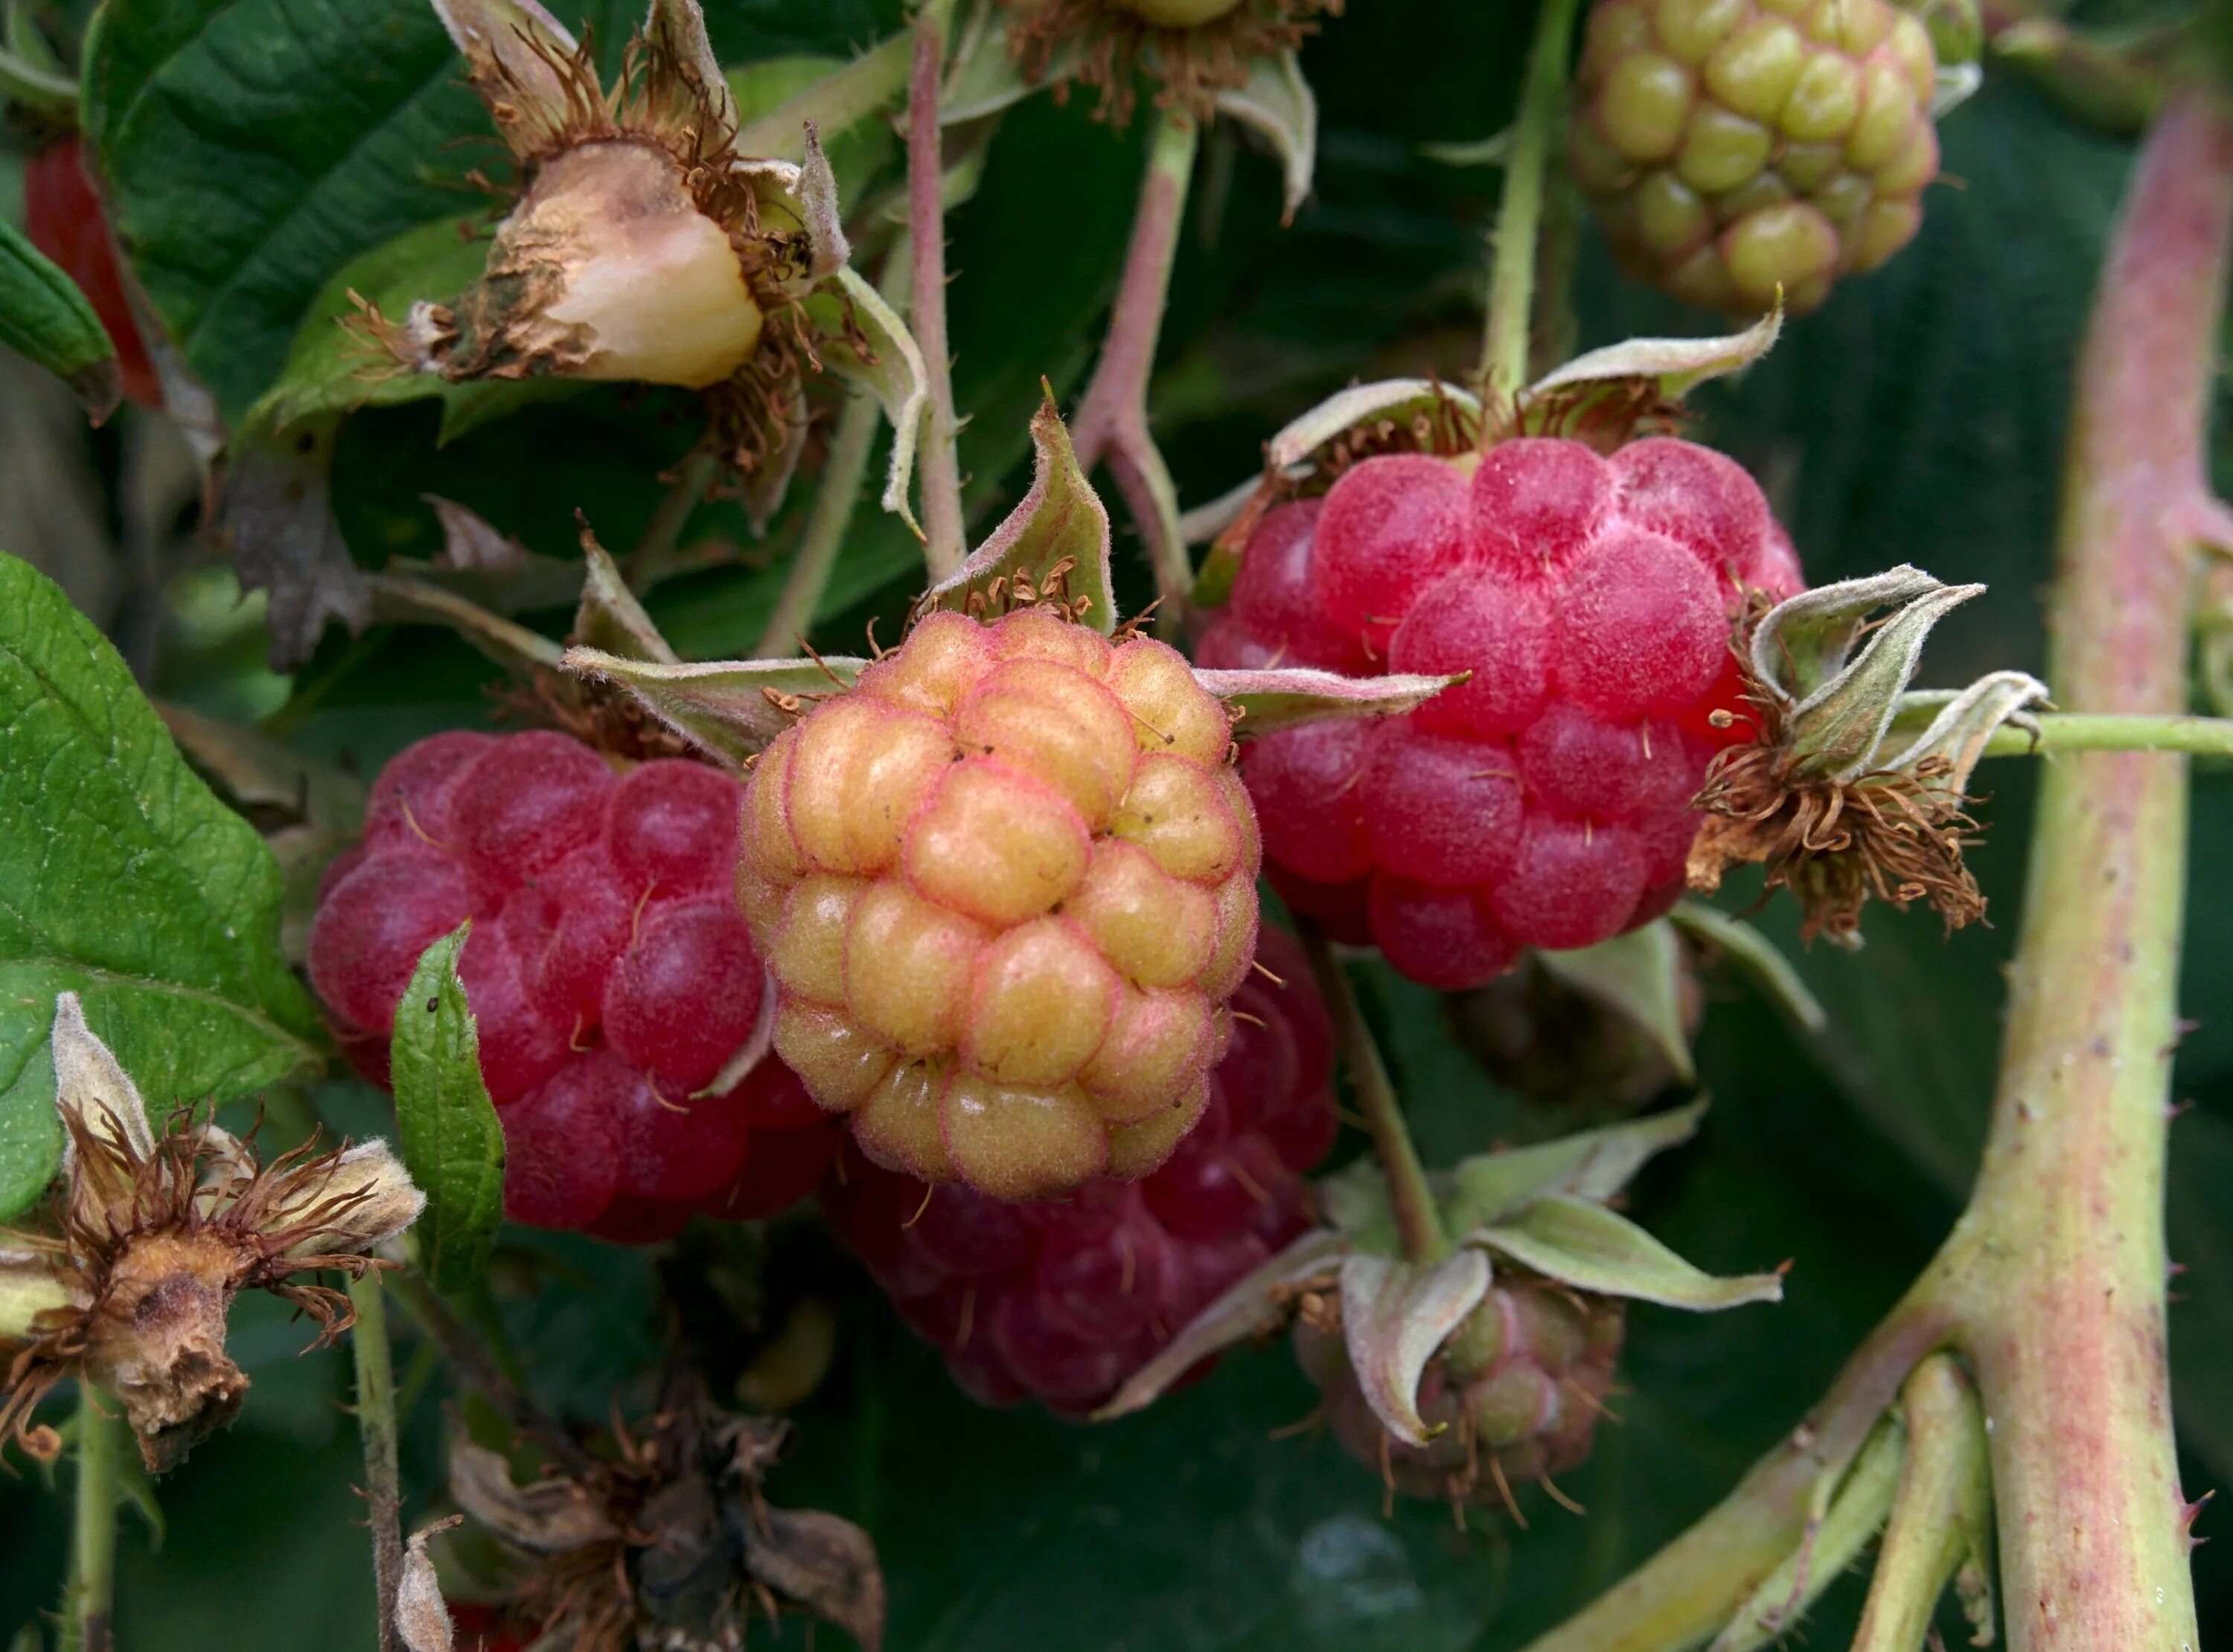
1112 418
375 1427
2065 1316
2052 1282
939 462
1418 1223
2061 732
101 1443
1512 258
849 445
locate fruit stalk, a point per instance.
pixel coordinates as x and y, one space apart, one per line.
939 462
817 558
375 1427
1520 212
1418 1221
1112 419
2066 1306
100 1436
2061 732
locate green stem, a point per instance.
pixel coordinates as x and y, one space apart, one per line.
53 97
1512 261
1418 1221
654 552
375 1424
939 463
816 558
1112 417
100 1436
2061 732
2052 1283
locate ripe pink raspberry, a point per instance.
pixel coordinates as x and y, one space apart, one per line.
1063 1299
1514 1397
1544 801
608 972
1005 884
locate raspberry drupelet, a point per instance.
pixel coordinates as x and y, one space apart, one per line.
609 973
1545 801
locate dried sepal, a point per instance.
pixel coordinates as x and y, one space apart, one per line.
668 1540
1194 49
1854 786
157 1234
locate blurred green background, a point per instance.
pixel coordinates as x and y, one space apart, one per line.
1918 417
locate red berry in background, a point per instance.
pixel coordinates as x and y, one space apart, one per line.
62 218
1063 1299
608 969
1544 801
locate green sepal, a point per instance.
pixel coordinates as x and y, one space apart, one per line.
1639 976
445 1126
1586 1245
43 316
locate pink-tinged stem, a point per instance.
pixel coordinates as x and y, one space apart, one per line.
2066 1322
937 463
1112 419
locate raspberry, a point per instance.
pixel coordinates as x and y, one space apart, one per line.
608 974
1732 146
1063 1299
1006 886
1544 801
1538 1360
62 218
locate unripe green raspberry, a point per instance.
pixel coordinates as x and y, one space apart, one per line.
1005 884
1732 148
1513 1396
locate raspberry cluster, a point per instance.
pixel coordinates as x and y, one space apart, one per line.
1005 884
608 970
1732 148
1063 1299
1546 801
1538 1363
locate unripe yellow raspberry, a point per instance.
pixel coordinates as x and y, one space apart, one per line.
1736 147
1005 884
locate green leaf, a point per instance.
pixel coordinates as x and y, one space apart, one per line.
1638 975
1589 1164
252 147
45 317
1582 1244
1060 524
124 880
446 1126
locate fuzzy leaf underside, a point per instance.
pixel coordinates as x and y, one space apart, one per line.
1581 1243
122 879
722 704
610 617
43 316
445 1126
891 369
1287 696
1399 401
1589 1164
1061 520
1246 1308
1393 1316
1275 103
1672 366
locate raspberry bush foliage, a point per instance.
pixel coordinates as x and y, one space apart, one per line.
1009 823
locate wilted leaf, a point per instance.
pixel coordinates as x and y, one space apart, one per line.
452 1142
1583 1244
278 518
825 1565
